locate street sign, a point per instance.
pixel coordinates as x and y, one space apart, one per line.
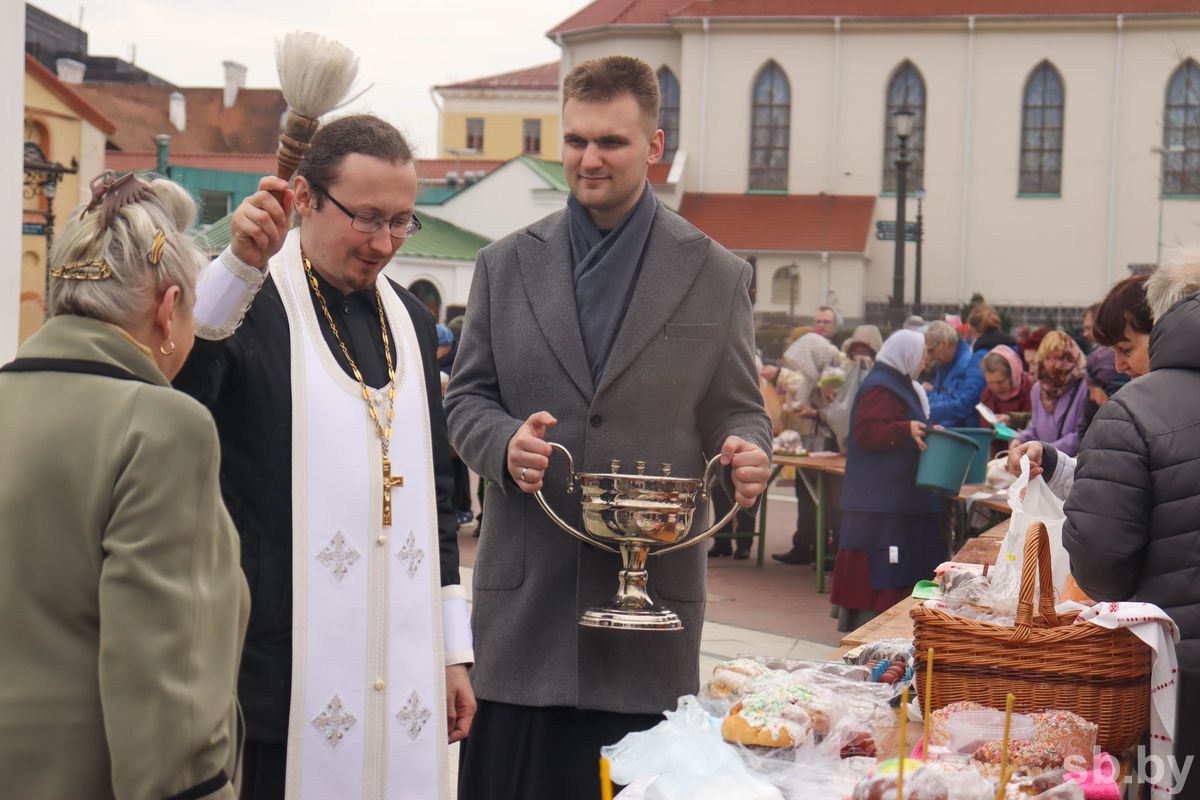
33 229
885 231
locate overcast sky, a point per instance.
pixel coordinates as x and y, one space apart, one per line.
404 47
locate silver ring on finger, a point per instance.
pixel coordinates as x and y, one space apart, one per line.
523 471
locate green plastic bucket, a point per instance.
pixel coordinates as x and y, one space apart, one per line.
944 464
978 471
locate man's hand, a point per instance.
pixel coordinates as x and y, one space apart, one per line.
260 223
751 469
916 429
1031 449
528 453
460 702
769 372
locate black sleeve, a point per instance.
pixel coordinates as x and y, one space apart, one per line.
1108 510
204 373
443 470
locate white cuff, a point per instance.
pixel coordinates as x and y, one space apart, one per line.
456 626
224 292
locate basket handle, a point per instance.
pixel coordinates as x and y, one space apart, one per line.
1035 567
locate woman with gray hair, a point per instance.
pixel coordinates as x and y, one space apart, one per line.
122 602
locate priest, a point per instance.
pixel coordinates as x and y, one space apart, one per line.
323 381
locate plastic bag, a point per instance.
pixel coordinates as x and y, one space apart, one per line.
684 758
837 413
1031 501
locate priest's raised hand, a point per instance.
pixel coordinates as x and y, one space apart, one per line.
260 223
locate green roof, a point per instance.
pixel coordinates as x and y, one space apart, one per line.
214 237
549 171
436 239
436 195
440 239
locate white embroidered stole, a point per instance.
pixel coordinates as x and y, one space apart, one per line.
368 716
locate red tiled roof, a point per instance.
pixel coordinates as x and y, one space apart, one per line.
435 169
65 93
602 13
428 169
542 77
658 172
253 163
251 126
794 222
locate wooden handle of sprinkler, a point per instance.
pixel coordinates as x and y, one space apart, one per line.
294 140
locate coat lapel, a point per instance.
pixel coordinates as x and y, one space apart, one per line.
545 254
674 255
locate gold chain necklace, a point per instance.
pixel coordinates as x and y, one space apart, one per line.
383 431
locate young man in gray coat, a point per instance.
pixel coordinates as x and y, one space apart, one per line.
619 330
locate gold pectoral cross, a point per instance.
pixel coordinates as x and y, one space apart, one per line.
389 482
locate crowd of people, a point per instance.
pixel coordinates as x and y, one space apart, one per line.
1106 417
233 489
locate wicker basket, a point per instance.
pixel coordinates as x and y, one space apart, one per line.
1048 662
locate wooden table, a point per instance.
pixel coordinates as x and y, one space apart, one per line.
895 623
834 464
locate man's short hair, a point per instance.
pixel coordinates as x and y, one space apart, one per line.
602 79
364 134
837 315
1173 281
941 332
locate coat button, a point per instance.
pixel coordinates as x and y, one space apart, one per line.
380 684
597 420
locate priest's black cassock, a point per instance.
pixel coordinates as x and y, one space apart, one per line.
243 371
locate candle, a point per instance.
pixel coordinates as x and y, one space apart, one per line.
903 743
605 780
928 696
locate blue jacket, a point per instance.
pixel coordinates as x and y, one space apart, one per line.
956 389
884 481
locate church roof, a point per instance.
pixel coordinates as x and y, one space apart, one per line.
606 13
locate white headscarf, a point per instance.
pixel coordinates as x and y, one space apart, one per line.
904 350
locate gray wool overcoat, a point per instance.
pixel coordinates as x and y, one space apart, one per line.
679 380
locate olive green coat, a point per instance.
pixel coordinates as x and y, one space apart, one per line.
122 602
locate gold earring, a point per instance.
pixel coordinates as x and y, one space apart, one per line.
162 348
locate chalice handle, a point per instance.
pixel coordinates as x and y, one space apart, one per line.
701 498
550 512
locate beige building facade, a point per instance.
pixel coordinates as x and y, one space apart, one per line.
500 116
982 232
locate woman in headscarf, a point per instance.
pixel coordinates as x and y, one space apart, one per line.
1009 390
1059 395
891 532
799 379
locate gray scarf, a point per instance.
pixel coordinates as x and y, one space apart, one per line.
605 269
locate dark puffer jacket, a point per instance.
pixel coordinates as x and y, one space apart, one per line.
1133 515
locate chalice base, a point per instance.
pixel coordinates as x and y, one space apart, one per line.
653 618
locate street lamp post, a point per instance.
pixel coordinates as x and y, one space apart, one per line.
41 177
902 121
917 265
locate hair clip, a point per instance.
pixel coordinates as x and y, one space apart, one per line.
110 193
93 269
156 250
